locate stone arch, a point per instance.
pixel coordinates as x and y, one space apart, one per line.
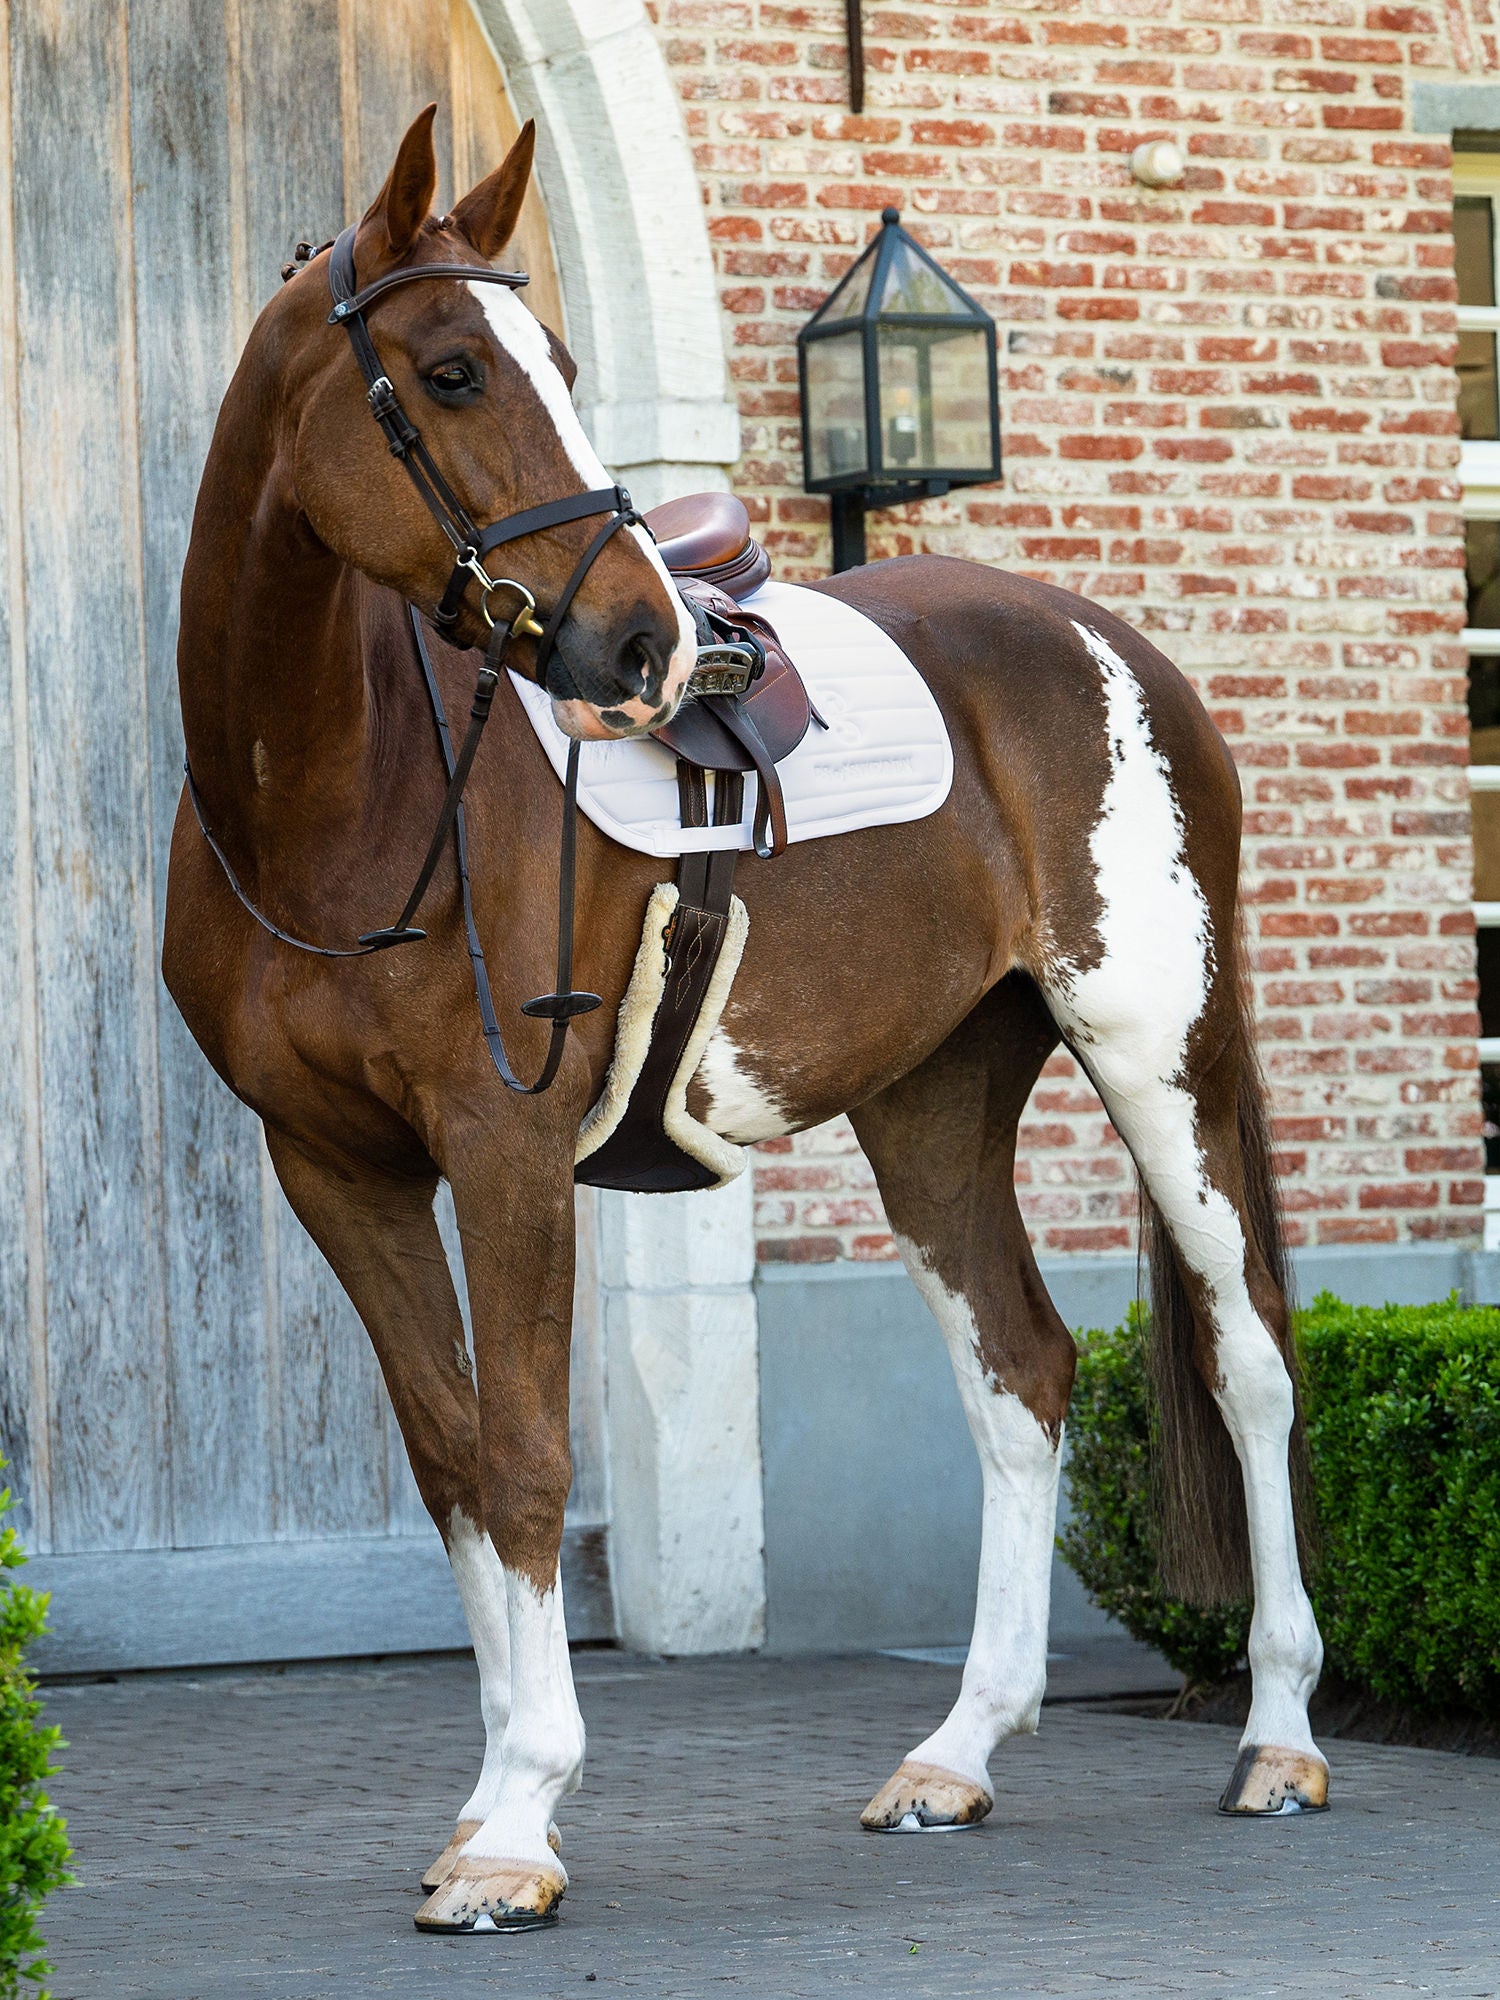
626 215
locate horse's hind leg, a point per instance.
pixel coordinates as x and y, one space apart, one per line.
381 1237
1193 1146
1144 986
942 1143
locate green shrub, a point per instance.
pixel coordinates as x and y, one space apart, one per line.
33 1840
1403 1418
1403 1410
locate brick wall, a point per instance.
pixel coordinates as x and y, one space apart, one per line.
1228 415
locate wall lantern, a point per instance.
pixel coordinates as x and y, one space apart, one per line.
900 388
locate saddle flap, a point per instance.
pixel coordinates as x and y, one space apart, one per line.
776 703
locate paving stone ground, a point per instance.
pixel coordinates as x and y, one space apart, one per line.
258 1836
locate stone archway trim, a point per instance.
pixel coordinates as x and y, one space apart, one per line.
627 221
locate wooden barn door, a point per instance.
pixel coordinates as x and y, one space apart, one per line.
194 1421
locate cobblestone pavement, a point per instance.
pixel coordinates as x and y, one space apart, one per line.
257 1836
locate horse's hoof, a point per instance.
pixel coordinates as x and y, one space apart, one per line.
487 1894
465 1831
1268 1781
923 1798
435 1876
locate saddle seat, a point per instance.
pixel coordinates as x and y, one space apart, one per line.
706 538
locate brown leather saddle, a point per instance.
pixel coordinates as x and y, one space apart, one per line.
746 709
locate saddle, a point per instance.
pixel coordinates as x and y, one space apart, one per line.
745 710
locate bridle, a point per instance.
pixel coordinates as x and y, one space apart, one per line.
471 544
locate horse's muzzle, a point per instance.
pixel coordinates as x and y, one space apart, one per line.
600 692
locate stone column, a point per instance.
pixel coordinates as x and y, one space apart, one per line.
683 1420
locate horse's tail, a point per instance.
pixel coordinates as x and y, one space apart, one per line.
1203 1549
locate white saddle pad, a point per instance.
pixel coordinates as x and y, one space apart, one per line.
884 758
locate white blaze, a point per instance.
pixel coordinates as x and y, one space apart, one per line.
522 336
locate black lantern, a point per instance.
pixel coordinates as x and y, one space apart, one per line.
900 388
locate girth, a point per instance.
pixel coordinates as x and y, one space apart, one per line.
726 730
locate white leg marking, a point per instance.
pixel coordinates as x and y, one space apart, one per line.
738 1108
522 336
1006 1672
542 1759
1130 1016
481 1591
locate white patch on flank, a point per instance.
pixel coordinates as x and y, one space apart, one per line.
737 1106
1130 1017
524 339
1005 1674
542 1758
481 1591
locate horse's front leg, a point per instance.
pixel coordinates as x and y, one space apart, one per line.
515 1218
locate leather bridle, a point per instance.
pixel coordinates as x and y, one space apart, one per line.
471 544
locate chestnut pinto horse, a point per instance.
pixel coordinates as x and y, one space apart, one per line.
1079 885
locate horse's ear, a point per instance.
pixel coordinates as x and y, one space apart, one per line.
488 214
567 367
405 202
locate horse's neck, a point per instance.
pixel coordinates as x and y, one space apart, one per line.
281 709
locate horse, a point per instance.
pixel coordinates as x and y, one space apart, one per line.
1078 887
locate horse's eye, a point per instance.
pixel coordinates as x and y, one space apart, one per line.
454 382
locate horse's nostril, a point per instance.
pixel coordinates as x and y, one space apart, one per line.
645 671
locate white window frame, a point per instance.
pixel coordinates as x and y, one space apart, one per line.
1479 473
1479 469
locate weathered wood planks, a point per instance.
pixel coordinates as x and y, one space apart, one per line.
223 1487
178 1367
94 917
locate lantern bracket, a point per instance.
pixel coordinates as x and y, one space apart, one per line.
848 505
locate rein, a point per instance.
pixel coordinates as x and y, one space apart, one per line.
471 544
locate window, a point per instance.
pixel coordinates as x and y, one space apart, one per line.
1476 246
1474 258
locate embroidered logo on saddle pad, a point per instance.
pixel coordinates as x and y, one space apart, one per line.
884 759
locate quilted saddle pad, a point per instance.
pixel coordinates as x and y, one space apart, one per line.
884 758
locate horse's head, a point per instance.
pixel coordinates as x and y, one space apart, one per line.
488 388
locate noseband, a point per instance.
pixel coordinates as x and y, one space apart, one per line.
471 544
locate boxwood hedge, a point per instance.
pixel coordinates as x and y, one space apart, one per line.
1403 1419
33 1840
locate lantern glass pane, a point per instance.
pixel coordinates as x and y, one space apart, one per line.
836 406
934 399
913 286
849 301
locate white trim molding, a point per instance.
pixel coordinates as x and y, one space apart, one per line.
681 1348
1479 472
626 214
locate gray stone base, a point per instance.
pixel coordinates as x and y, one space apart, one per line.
277 1601
871 1481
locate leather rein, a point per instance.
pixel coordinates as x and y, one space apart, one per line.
471 544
